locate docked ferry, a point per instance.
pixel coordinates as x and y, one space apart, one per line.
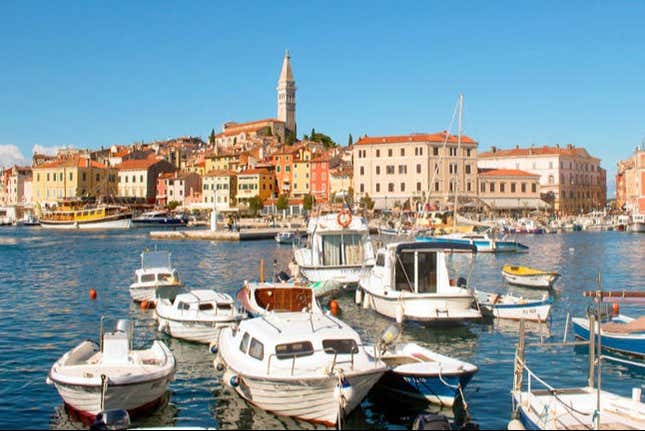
96 217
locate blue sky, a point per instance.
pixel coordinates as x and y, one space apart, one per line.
91 74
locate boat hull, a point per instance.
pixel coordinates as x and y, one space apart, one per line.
542 281
119 223
198 332
637 227
86 400
423 308
311 400
631 344
435 389
342 274
536 311
147 293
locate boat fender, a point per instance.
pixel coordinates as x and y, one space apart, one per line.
358 298
399 314
462 282
220 367
366 301
163 325
234 381
344 392
515 424
213 348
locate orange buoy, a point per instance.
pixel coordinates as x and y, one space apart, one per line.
453 282
92 294
615 308
333 307
144 304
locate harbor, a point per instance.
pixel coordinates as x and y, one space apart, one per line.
49 303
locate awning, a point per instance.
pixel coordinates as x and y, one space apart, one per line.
516 203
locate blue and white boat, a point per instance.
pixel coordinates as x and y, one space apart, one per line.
419 373
511 307
481 241
159 219
619 333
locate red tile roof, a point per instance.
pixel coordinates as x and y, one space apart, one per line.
505 173
255 171
415 137
136 164
75 162
219 173
569 150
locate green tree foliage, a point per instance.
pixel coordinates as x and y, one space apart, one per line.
308 202
350 140
211 137
367 202
322 138
282 203
291 138
255 205
268 131
172 205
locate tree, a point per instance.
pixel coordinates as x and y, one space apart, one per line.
282 203
313 134
211 137
367 202
350 141
172 205
255 205
308 202
322 138
291 138
268 131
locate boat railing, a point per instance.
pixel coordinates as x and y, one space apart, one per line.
328 350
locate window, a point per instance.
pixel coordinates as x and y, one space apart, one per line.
287 168
523 187
146 278
48 177
436 186
534 188
502 186
418 168
468 187
277 168
256 350
84 177
421 151
482 187
71 176
550 179
378 170
378 187
37 177
389 152
418 187
380 259
60 176
468 168
389 169
550 165
390 187
362 188
435 151
140 178
294 350
402 187
342 347
512 187
468 153
244 344
205 307
378 153
183 306
402 152
126 178
362 170
403 169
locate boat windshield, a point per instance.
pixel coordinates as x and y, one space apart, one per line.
342 249
342 347
155 259
423 280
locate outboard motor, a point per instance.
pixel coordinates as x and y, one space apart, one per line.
111 420
389 336
123 325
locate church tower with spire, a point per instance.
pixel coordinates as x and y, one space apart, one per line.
287 96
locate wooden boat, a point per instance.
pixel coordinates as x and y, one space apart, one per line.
410 282
419 373
92 378
529 277
198 315
310 366
73 216
506 306
265 297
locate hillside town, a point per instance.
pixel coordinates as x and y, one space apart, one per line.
261 166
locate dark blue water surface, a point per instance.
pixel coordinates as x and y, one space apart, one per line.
45 311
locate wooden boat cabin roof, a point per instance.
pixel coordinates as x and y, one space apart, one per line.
278 299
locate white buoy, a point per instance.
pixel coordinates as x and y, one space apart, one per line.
358 298
399 314
515 424
571 250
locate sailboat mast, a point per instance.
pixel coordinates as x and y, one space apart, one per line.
454 212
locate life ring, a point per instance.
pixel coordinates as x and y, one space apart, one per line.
344 218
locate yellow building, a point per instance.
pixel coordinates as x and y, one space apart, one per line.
255 182
220 188
221 162
301 174
73 177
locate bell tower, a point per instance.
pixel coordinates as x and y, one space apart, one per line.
287 96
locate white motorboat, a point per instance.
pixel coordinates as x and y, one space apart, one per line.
158 219
506 306
261 298
638 223
410 282
198 315
529 277
309 366
339 248
92 378
156 271
286 237
419 373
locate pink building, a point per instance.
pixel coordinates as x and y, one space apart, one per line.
630 183
320 178
185 188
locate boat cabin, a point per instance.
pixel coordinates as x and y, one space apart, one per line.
156 268
335 245
205 301
414 267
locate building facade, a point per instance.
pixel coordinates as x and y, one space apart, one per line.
184 188
16 186
510 189
138 178
630 183
220 189
255 182
421 167
320 178
72 177
569 176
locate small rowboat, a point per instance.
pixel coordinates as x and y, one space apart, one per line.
514 307
619 333
529 277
